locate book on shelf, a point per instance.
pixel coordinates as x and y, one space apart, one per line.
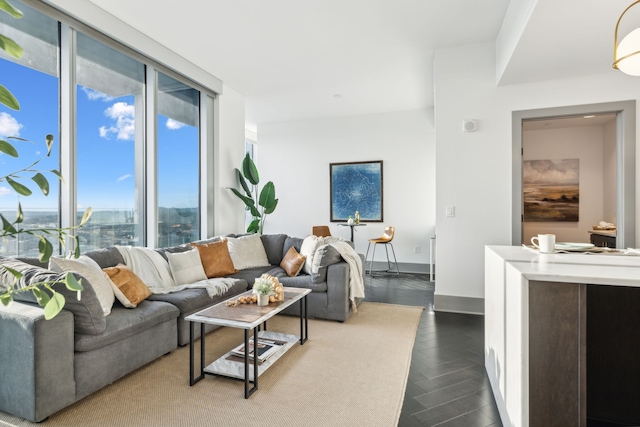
266 349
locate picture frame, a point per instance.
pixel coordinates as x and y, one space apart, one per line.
551 190
356 186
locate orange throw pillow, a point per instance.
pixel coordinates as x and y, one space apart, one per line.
215 258
127 286
292 262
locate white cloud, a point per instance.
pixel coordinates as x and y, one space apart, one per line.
94 95
123 128
9 126
123 177
174 124
4 191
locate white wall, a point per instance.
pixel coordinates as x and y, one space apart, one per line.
582 143
474 169
229 210
296 157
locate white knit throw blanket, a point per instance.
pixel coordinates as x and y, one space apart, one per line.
154 271
356 282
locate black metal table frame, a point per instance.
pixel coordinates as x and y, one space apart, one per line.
304 334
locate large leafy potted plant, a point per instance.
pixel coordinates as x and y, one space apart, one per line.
259 203
44 292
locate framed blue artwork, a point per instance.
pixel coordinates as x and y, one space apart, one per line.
356 187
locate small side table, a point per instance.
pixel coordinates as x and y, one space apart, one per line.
344 224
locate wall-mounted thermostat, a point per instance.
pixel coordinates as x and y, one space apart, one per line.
468 125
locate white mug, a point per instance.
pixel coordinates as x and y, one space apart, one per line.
546 243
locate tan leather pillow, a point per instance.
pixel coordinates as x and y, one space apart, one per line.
127 286
215 258
292 262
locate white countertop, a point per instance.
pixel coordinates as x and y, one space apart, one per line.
607 269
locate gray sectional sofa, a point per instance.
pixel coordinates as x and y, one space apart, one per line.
50 364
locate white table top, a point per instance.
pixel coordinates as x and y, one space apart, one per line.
605 269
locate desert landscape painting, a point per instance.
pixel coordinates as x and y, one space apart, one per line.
551 190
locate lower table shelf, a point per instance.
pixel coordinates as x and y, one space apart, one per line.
235 369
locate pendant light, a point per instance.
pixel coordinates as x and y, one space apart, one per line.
626 54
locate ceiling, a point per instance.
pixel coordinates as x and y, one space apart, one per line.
294 59
568 122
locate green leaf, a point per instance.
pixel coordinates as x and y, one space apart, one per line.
243 183
268 196
6 298
8 148
248 201
249 170
86 216
10 9
41 296
8 99
54 306
49 141
11 47
254 227
58 174
20 216
13 272
45 248
20 189
270 210
42 182
7 227
76 252
72 283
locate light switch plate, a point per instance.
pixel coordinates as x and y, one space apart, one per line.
451 211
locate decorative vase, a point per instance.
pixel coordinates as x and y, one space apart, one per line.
263 300
350 221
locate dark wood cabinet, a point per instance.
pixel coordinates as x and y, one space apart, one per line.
603 241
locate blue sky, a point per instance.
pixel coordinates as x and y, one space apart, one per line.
105 136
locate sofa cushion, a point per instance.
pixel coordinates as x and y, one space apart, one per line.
186 267
92 271
123 323
129 289
302 281
293 262
289 242
215 258
273 244
325 256
88 317
107 257
249 275
191 300
247 252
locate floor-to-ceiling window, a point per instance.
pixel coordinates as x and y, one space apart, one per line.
178 162
109 125
131 136
33 80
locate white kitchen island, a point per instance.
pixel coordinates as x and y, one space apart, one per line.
562 335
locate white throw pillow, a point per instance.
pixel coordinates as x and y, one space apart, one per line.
186 267
247 252
92 272
308 249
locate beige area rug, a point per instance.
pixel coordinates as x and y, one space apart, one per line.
346 374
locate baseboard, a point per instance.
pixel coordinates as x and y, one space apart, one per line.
455 304
404 267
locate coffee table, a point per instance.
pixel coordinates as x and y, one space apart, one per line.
247 317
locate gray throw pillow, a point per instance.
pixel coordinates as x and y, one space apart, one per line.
324 257
88 317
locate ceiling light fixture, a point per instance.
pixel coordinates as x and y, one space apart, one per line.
588 117
626 55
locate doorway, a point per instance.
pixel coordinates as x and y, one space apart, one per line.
623 169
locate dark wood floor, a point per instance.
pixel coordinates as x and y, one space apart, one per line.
447 383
